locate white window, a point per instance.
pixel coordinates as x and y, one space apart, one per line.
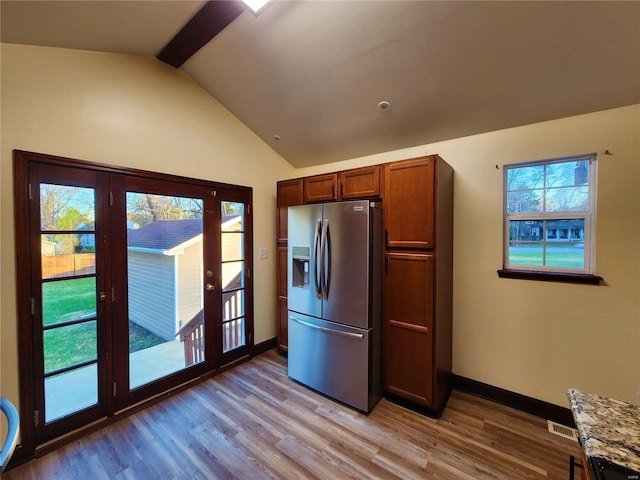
549 215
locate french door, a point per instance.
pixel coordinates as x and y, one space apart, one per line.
137 283
67 297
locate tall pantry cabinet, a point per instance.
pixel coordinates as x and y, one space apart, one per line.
418 281
289 193
417 198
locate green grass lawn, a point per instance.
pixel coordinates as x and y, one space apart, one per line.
67 300
553 259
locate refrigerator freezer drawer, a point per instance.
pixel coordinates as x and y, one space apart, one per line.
332 359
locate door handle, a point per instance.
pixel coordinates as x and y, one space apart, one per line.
316 258
327 260
359 336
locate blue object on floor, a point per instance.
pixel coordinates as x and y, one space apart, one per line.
13 423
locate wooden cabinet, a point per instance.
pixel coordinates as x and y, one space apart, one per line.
418 281
409 203
289 192
408 326
321 188
359 183
282 318
345 185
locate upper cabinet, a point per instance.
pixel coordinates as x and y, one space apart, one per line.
345 185
360 183
409 188
321 188
289 193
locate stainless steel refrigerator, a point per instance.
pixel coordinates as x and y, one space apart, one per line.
334 297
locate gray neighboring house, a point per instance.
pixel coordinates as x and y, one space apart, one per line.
165 275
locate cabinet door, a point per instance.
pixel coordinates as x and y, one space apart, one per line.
408 364
289 193
321 188
409 203
360 183
282 298
408 326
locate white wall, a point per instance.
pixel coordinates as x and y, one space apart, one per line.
128 111
531 337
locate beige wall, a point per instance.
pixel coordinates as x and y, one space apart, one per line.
136 112
535 338
539 338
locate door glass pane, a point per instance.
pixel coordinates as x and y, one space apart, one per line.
232 246
65 207
67 255
233 272
232 275
232 217
69 323
67 300
61 401
70 345
164 258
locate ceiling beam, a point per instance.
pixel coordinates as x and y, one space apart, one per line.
210 20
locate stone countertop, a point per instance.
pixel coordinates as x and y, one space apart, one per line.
609 429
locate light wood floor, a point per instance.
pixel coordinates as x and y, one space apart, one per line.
252 422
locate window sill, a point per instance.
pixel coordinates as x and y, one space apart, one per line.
583 278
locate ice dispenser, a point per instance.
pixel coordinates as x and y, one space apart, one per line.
300 274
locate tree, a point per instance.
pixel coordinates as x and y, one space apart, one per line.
55 201
232 208
144 208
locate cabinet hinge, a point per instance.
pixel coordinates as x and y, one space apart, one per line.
110 199
33 305
30 192
36 418
115 389
249 273
250 338
386 264
248 209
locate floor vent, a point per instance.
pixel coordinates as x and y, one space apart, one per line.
566 432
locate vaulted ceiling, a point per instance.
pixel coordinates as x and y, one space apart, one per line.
307 76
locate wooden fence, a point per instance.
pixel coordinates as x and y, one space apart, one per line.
54 266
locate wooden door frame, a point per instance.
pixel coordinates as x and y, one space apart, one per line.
21 160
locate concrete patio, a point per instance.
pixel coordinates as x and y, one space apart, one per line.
78 389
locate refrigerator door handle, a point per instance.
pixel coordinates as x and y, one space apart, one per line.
317 277
359 336
323 258
327 271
